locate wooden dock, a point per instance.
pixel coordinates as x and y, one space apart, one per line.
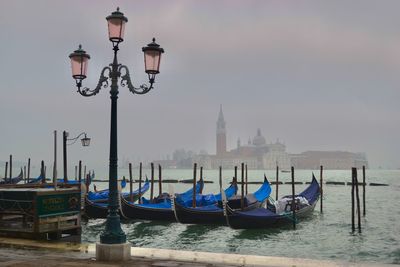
40 212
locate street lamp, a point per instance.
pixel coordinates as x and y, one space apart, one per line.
113 234
85 142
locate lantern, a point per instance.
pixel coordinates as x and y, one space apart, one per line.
79 63
116 26
152 57
85 141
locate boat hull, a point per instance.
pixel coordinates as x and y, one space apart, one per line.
95 210
196 216
267 218
134 211
254 222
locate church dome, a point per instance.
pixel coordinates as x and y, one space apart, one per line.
259 140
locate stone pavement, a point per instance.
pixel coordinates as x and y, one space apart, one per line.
29 253
43 258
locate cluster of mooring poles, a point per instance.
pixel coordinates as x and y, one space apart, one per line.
26 171
160 181
355 199
292 182
152 180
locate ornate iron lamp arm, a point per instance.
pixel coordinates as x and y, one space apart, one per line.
103 83
75 139
126 81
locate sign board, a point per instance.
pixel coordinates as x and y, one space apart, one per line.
57 204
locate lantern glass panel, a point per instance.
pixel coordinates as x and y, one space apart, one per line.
79 67
152 61
116 29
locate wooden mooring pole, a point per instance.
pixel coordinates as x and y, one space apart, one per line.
293 201
364 210
29 170
65 168
242 187
6 172
220 179
321 184
42 172
87 182
152 182
10 168
358 204
76 173
277 182
194 185
160 180
55 161
247 181
140 183
130 183
235 175
353 173
80 172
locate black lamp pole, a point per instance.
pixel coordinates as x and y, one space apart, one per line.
85 142
113 233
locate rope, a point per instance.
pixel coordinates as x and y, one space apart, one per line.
271 200
289 215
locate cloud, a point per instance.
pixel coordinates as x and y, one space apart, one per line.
317 74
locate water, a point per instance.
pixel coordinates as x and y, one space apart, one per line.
322 236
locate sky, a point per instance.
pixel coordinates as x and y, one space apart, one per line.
318 75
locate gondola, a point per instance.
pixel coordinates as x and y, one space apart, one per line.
39 179
99 210
13 180
95 210
36 180
159 209
213 213
86 181
275 215
102 196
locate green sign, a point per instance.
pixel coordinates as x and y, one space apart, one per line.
58 204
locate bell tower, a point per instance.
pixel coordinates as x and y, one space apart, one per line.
221 133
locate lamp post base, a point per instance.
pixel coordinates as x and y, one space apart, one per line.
113 252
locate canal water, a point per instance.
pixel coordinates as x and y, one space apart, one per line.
325 236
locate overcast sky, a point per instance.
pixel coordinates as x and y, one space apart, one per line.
318 75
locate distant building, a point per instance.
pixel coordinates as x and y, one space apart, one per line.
221 134
257 154
183 158
338 160
166 163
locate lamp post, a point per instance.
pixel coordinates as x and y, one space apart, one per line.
113 234
85 142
